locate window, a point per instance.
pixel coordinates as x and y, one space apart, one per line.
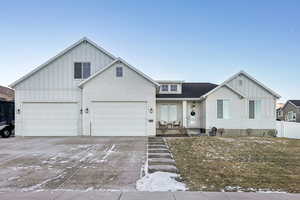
254 109
279 113
119 71
174 88
291 116
82 70
240 82
164 88
223 109
168 113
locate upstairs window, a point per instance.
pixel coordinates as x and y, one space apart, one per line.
82 70
223 108
165 88
173 88
119 71
254 109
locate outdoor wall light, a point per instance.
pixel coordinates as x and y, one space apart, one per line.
81 111
86 110
151 110
18 111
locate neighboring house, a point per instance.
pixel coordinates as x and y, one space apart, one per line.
279 112
290 111
87 91
6 94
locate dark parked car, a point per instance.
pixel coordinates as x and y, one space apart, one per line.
7 118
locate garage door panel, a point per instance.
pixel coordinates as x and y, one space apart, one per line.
50 119
119 118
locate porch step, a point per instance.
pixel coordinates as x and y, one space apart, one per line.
172 135
156 143
157 147
158 151
162 168
155 140
161 161
159 155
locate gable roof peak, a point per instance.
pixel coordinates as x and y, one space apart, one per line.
225 83
58 56
118 60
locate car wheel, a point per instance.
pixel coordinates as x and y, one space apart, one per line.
6 133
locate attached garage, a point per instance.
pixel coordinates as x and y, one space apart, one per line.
85 91
118 119
118 101
50 119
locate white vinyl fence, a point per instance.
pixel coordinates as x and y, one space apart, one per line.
288 129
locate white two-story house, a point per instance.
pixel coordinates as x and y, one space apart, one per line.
86 91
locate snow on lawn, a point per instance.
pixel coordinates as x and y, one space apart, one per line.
160 181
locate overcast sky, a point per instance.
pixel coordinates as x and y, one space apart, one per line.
203 41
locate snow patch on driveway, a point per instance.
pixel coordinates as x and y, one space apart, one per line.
160 181
108 152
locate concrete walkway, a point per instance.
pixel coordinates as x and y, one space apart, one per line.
93 195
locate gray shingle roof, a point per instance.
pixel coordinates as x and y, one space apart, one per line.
295 102
190 90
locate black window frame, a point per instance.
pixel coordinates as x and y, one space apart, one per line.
119 72
167 87
82 65
173 85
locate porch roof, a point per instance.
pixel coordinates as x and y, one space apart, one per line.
191 90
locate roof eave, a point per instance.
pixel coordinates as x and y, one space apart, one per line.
114 62
13 85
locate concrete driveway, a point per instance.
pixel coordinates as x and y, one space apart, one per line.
71 163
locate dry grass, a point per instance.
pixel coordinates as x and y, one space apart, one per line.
238 163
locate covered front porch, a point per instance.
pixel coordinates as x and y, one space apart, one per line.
180 117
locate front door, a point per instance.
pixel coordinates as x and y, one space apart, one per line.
193 119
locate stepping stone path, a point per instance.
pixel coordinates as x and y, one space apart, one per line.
159 157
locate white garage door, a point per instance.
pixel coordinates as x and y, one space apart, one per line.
118 119
50 119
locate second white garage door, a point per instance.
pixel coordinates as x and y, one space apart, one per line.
118 119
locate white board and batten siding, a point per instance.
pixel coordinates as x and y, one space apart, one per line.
239 108
55 83
123 102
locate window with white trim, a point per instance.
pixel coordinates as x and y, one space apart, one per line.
173 88
168 112
223 108
291 116
82 70
165 88
119 71
254 109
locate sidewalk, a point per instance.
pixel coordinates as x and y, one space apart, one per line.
98 195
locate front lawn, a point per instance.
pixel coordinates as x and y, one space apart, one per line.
238 163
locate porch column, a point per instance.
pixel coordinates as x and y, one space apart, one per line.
184 111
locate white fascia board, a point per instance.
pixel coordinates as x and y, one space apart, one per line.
259 83
97 73
58 56
111 64
178 99
139 72
248 76
170 81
